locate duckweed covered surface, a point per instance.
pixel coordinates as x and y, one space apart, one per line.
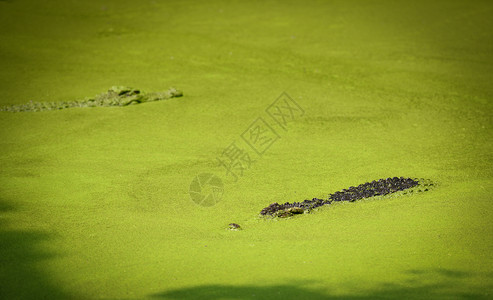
95 202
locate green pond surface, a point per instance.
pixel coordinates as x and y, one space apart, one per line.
96 202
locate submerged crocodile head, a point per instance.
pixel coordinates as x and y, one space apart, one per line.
123 96
123 90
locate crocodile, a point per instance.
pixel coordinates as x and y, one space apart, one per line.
379 187
115 96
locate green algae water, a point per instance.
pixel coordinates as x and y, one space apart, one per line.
136 202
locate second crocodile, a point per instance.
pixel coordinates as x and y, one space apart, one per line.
115 96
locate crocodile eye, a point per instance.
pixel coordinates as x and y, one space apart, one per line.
234 226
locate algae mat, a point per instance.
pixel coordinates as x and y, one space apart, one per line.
97 202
